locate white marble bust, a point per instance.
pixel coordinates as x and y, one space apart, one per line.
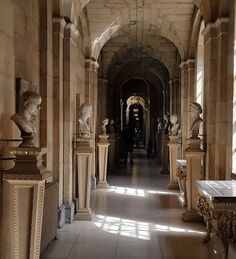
85 112
103 126
167 124
111 130
195 121
159 126
175 125
30 104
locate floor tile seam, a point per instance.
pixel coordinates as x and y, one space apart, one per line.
73 244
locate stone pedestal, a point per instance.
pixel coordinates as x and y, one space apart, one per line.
159 148
174 154
23 202
194 158
84 155
165 154
111 156
103 146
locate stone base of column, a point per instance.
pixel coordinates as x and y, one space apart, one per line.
173 186
83 214
69 212
93 182
103 185
191 216
61 216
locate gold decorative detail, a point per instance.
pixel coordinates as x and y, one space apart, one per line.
223 222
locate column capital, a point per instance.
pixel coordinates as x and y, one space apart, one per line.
71 33
212 30
187 64
91 64
59 24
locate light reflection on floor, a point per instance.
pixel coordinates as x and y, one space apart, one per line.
135 229
137 192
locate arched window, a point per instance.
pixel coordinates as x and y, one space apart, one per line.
200 67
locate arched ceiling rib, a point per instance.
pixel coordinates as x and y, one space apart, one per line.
137 18
120 51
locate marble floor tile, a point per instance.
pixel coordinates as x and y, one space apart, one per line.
137 218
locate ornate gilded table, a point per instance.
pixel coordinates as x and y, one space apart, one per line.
182 178
217 205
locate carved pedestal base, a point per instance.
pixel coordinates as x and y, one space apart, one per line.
83 214
23 202
191 216
84 154
174 154
194 157
165 155
103 146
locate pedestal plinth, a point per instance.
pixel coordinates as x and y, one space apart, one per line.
23 202
174 154
159 148
103 146
165 154
111 156
194 158
84 155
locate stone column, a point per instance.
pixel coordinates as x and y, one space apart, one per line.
174 154
91 96
69 108
217 99
102 98
184 105
84 155
58 37
194 159
187 96
103 146
23 202
172 96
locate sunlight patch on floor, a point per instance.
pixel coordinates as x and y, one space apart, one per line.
137 192
135 229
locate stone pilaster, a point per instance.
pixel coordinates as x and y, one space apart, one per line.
91 96
216 97
184 105
69 108
58 38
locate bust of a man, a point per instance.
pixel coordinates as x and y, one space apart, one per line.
30 104
110 127
85 112
175 125
195 121
167 124
159 126
103 126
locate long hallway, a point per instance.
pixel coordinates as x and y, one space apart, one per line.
137 218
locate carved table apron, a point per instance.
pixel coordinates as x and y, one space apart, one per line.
217 205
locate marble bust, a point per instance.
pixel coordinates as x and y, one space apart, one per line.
167 124
85 112
195 121
175 125
111 129
159 126
103 126
30 104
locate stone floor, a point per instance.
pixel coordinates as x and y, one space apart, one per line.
137 218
